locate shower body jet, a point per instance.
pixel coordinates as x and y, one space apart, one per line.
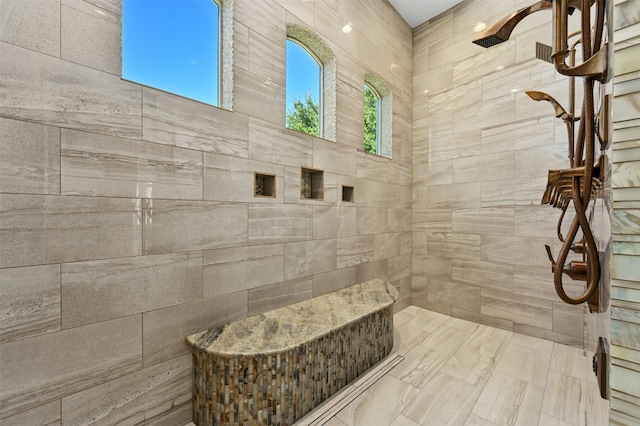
585 174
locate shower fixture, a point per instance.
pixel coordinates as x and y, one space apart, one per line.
578 183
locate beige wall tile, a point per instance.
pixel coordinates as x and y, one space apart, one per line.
31 25
513 192
164 330
29 157
258 96
90 36
46 415
106 289
499 221
145 394
274 296
371 221
482 274
30 301
67 229
41 369
464 246
328 282
175 226
173 120
275 144
461 296
279 223
486 167
515 250
354 250
84 99
387 245
332 222
377 269
228 178
309 257
333 157
234 269
505 304
520 135
456 196
113 167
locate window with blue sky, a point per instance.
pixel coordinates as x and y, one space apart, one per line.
303 89
173 45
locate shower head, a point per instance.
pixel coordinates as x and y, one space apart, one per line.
501 30
541 96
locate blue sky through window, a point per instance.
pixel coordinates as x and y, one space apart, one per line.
172 45
303 74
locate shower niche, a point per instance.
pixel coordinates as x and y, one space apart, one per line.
311 184
264 185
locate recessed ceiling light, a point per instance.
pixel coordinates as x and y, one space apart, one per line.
515 90
347 28
500 68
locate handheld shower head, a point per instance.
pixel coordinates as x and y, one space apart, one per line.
501 30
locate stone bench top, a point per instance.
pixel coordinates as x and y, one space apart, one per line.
288 327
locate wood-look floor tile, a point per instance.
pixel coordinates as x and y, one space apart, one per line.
419 366
444 401
525 364
509 401
403 420
476 359
474 420
374 407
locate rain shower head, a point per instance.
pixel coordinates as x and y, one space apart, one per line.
501 30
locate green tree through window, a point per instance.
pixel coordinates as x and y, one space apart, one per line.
305 116
371 120
304 75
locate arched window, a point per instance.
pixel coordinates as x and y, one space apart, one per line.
378 116
304 82
371 120
311 80
174 45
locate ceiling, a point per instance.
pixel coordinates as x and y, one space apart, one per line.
415 12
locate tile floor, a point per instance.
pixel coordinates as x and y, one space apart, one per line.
447 371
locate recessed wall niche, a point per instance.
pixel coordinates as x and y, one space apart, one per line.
347 194
264 185
311 184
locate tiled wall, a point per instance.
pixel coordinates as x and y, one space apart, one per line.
127 216
482 151
625 222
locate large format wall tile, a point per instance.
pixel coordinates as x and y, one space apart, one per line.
30 303
42 229
274 144
106 289
306 258
144 395
90 36
50 91
228 178
32 25
45 415
269 224
233 269
173 120
29 157
114 167
164 330
175 226
274 296
44 368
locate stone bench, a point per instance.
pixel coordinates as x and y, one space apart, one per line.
273 368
